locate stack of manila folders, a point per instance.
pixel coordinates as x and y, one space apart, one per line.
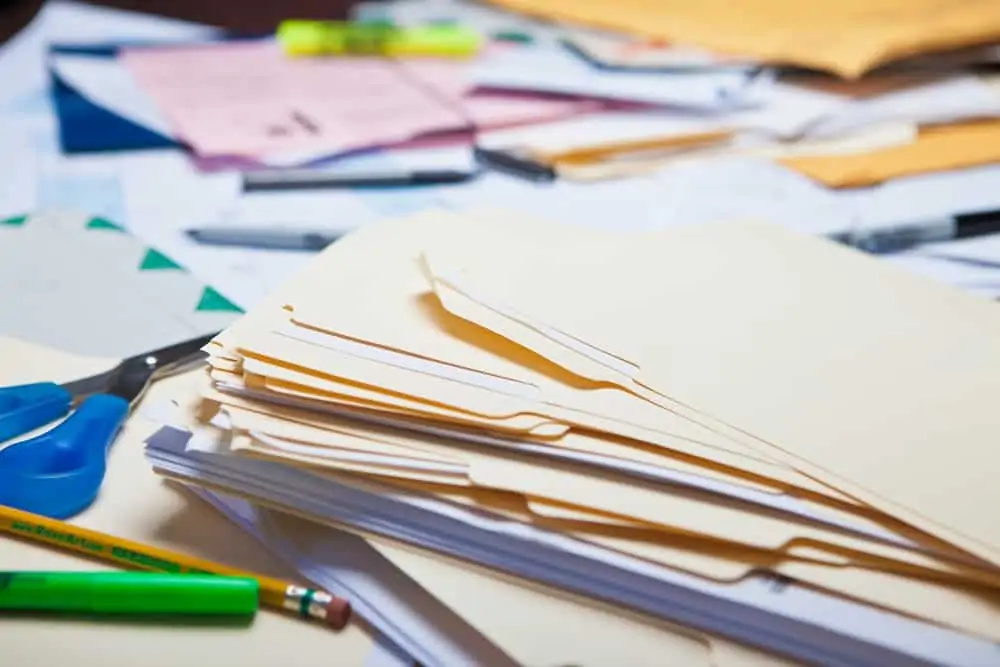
760 438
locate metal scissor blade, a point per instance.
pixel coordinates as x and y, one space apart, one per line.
129 378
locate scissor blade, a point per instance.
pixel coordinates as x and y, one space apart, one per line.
129 378
170 354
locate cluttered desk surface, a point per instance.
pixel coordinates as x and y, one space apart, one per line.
502 333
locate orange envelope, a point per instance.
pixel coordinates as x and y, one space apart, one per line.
936 149
848 38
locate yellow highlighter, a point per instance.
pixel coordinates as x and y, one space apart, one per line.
316 38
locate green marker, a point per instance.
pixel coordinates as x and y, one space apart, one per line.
128 593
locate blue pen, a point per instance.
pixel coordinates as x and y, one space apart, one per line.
58 473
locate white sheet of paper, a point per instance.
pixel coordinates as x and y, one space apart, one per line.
165 194
601 127
555 70
686 192
967 277
384 654
948 100
413 621
18 172
971 264
926 196
984 250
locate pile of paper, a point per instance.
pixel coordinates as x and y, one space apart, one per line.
839 133
242 104
749 433
780 87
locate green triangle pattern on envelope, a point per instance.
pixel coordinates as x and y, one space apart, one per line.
213 301
15 221
156 260
101 223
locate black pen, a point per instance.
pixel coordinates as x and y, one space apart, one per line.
310 179
968 261
514 165
264 238
909 235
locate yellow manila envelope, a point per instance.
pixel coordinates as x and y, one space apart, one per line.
936 148
848 38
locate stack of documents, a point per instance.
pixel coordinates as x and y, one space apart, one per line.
841 134
689 425
246 100
242 104
814 101
249 100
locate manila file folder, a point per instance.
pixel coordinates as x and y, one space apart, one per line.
875 381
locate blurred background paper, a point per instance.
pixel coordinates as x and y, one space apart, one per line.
164 194
18 178
936 148
556 70
614 51
672 197
848 38
106 83
921 100
247 99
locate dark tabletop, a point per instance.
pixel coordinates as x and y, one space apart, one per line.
15 14
238 15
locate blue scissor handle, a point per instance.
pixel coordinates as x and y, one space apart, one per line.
59 472
25 407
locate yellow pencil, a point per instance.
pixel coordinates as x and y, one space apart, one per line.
305 602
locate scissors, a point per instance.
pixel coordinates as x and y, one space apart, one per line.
58 473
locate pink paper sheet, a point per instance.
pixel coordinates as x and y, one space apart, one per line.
248 99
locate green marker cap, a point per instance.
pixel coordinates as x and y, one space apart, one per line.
514 36
129 593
